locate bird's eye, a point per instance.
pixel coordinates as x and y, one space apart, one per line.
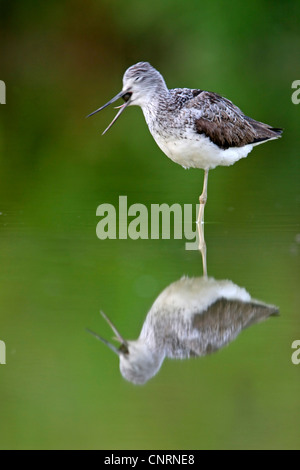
127 96
124 349
137 79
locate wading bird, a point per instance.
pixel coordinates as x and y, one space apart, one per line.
194 128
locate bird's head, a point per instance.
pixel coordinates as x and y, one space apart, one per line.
138 363
140 85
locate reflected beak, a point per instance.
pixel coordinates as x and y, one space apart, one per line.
124 345
111 346
121 108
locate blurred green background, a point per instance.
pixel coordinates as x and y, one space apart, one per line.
61 60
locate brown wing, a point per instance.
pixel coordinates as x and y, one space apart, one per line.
223 321
225 124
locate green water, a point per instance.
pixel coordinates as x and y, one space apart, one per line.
62 389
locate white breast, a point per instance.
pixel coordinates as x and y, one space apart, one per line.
200 152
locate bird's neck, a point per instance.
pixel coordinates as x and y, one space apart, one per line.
147 351
154 107
156 96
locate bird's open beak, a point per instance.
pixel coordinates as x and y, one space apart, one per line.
123 349
123 94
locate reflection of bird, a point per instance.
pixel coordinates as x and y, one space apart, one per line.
192 317
195 128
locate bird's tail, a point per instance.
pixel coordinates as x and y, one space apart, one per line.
264 131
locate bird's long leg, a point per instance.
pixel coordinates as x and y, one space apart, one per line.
202 248
200 223
203 199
